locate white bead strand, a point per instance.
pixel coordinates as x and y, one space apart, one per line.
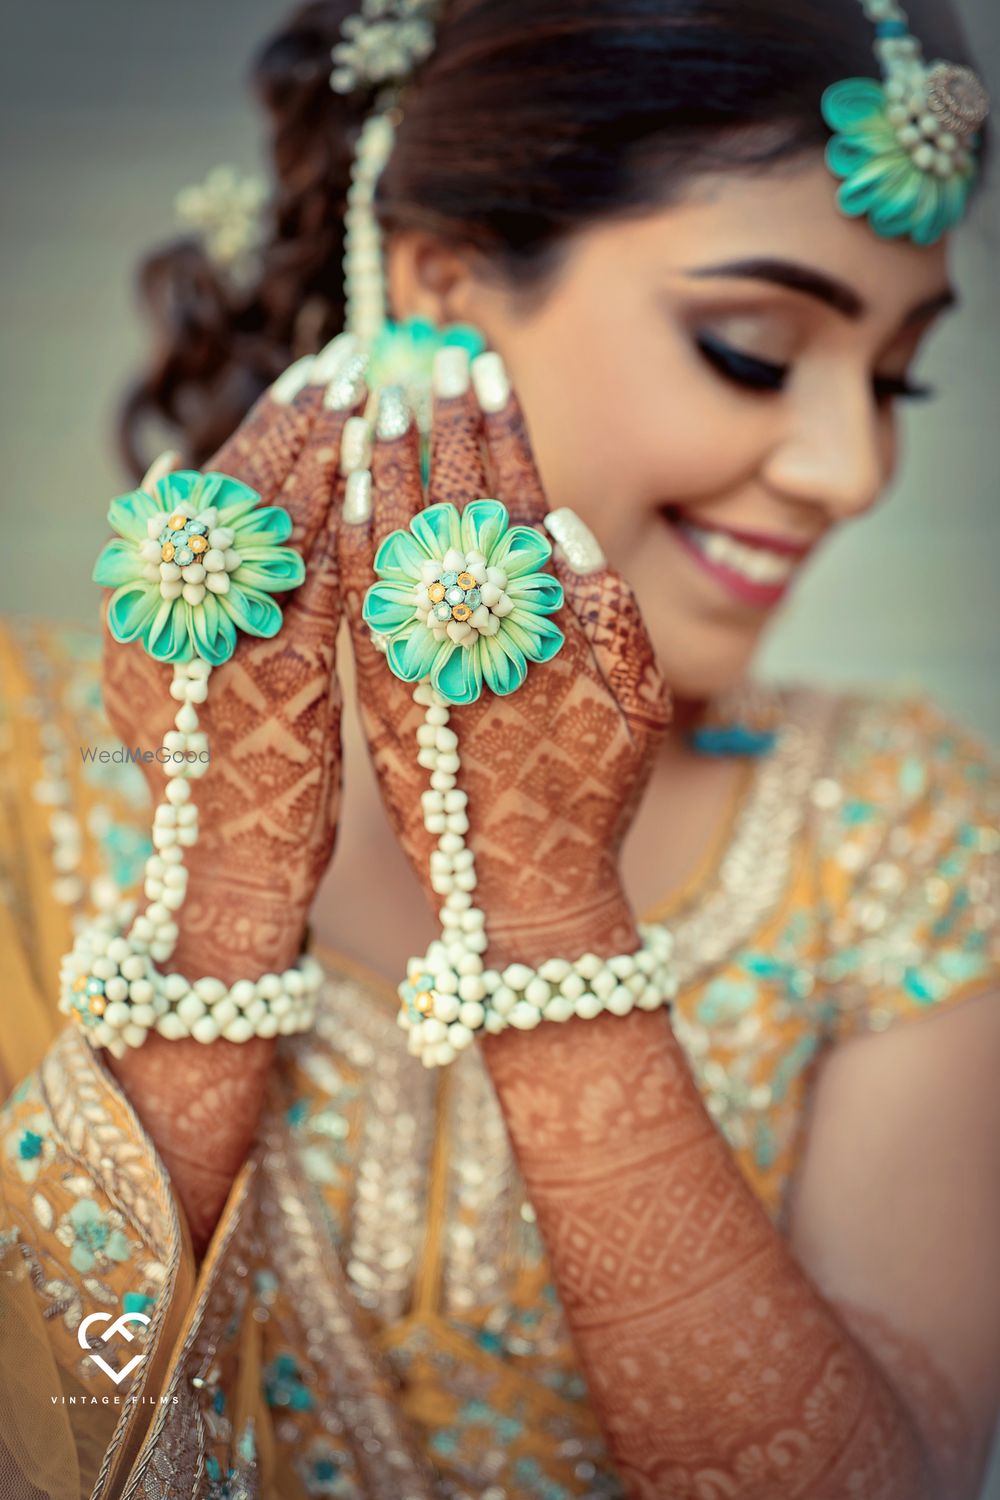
448 995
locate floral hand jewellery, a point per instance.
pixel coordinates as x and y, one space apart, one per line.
461 604
461 601
196 559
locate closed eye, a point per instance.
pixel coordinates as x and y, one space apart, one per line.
765 377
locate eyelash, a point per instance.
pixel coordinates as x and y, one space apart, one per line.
762 376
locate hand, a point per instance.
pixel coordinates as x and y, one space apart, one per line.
554 772
268 802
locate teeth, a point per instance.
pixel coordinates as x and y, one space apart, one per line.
756 564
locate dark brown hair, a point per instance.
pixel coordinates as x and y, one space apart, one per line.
531 119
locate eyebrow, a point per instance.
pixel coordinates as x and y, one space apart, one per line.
829 290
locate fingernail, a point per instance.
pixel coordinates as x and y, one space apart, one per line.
577 543
330 358
358 497
355 445
287 386
160 468
347 387
450 376
393 418
489 377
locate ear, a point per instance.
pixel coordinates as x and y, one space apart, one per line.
429 278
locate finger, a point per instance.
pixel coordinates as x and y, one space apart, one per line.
609 617
458 467
514 476
356 551
265 445
309 488
397 488
312 614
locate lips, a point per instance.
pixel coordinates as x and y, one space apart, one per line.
754 568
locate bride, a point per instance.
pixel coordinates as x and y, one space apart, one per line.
731 1228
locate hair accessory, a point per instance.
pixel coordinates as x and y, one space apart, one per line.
196 559
906 147
226 212
462 600
383 43
109 981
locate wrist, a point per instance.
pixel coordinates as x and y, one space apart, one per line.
236 930
598 921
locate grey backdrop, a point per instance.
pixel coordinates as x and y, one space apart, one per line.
108 107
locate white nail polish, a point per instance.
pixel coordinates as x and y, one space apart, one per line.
332 356
393 418
576 542
489 376
358 497
347 385
450 378
287 386
355 445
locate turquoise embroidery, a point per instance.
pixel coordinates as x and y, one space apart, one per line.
284 1385
30 1145
95 1237
137 1302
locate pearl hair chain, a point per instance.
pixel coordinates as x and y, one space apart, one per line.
109 981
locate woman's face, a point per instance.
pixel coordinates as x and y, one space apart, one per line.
714 387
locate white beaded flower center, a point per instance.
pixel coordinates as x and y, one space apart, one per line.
461 598
188 553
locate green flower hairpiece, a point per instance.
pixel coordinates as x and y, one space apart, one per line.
461 600
905 147
903 187
196 559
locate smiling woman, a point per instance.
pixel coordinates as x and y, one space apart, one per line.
677 1206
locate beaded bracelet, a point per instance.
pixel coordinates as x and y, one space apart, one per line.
179 544
472 578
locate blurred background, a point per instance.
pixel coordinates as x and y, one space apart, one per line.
108 109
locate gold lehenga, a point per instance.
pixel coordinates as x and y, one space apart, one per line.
374 1316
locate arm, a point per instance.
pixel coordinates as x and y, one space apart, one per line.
708 1349
268 804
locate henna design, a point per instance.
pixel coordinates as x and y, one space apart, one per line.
717 1369
268 806
553 773
514 473
715 1365
458 471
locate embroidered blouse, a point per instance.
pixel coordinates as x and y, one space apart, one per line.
375 1316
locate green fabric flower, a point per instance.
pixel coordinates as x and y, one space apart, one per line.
903 182
462 601
195 560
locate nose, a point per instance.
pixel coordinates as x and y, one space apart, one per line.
835 452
